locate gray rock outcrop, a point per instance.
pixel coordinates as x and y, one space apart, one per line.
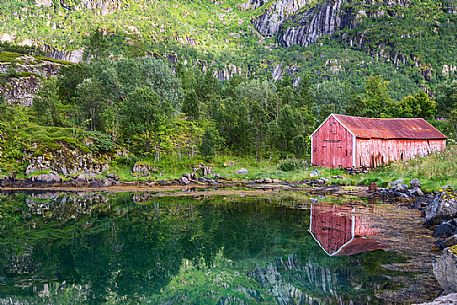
23 77
47 178
104 7
310 25
242 171
142 169
445 270
443 207
444 300
252 4
295 24
68 162
20 90
270 22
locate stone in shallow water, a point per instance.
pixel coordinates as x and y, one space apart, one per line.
444 300
445 270
451 241
444 207
446 229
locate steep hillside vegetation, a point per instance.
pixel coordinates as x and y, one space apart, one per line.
415 37
89 84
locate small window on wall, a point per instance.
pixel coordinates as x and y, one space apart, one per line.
332 128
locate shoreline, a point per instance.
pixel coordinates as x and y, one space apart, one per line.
174 189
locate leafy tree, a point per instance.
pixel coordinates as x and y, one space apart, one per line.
291 130
331 96
211 142
144 113
92 102
446 98
261 101
160 78
418 105
376 100
47 105
70 77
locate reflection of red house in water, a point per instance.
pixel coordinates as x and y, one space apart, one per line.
340 231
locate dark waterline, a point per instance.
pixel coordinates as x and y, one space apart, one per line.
96 248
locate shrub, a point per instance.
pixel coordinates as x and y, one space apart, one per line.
290 164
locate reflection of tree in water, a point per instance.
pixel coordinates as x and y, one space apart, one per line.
113 247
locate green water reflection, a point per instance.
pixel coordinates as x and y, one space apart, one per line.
107 249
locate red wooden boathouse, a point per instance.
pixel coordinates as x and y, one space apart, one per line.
347 141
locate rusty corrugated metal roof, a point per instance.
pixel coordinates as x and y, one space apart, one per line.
400 128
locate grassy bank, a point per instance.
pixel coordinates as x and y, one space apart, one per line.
434 171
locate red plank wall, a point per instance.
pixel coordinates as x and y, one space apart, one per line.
332 145
376 152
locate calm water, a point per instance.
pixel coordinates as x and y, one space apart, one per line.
131 249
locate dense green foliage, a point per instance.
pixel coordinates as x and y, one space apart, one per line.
151 84
152 109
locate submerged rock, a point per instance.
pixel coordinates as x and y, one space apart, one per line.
446 229
444 300
443 207
451 241
445 270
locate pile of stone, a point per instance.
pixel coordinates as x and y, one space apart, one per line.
51 177
141 169
200 173
91 180
188 178
400 190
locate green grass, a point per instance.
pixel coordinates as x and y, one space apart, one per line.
172 168
8 56
434 171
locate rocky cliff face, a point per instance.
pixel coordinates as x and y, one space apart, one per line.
253 4
103 7
270 22
300 22
21 78
305 27
308 26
